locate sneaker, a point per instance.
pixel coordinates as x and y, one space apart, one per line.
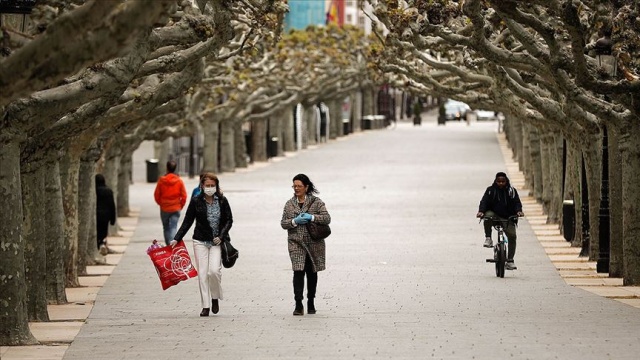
510 265
104 250
488 242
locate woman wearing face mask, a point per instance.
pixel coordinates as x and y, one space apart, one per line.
212 214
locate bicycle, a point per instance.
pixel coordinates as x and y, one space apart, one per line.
500 248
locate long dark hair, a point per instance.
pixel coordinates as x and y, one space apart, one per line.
306 182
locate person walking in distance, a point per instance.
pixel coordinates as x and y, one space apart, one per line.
105 212
501 200
212 214
307 255
171 195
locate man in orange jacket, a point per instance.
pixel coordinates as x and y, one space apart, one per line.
171 195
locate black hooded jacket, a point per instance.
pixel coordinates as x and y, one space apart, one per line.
504 202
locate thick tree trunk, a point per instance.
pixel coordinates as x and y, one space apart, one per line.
335 113
87 232
211 132
13 313
227 147
69 169
594 175
630 151
527 164
368 105
312 124
124 180
288 124
536 163
56 245
240 146
616 257
356 105
546 139
259 140
33 229
555 166
573 189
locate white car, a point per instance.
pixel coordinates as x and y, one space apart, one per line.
455 110
485 115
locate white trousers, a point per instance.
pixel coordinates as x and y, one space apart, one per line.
209 265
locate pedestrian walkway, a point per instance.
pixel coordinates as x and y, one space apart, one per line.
406 276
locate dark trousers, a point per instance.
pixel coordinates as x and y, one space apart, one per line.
298 281
510 231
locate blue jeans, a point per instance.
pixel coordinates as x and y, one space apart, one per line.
169 224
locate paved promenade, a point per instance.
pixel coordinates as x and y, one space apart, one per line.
406 275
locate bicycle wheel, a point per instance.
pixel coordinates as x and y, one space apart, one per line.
501 259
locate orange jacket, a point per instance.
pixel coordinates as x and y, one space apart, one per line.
170 193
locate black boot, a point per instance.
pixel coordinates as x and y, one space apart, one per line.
299 310
312 284
311 308
205 312
298 289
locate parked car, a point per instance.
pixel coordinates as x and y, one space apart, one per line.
455 110
486 115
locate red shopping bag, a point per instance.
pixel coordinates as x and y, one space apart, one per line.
172 264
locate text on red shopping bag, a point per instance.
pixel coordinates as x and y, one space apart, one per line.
172 264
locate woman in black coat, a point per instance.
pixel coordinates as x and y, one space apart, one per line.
105 212
212 214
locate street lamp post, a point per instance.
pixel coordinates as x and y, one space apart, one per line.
606 61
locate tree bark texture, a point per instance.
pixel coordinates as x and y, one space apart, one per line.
239 145
527 165
33 230
536 163
545 169
55 243
593 165
69 169
124 180
616 257
572 190
288 125
630 153
312 124
555 166
227 147
110 172
87 232
13 313
259 140
335 128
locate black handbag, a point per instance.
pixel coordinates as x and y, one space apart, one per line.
318 231
229 254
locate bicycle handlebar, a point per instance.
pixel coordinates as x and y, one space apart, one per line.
511 219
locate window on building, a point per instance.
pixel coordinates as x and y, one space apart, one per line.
361 20
349 19
349 3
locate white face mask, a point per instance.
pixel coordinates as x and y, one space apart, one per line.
210 191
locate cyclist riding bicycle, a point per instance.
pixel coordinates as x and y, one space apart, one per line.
501 200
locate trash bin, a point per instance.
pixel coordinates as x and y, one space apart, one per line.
367 122
152 170
346 126
272 147
568 219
